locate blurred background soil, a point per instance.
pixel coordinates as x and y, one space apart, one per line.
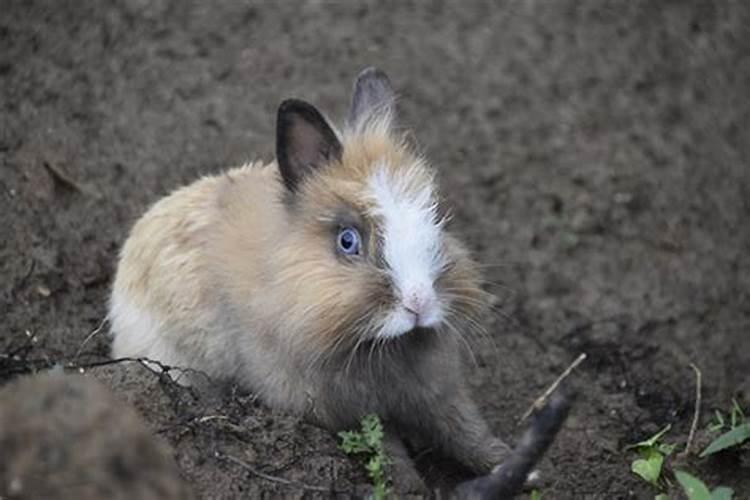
594 154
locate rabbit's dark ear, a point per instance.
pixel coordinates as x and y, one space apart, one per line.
304 142
373 97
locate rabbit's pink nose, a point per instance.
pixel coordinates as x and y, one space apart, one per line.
420 302
414 310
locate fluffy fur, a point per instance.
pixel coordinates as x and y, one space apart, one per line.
238 275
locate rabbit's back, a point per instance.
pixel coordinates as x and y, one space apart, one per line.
167 299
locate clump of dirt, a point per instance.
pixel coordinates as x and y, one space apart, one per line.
66 436
594 155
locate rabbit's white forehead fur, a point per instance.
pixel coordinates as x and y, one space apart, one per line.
411 233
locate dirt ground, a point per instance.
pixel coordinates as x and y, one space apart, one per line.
594 153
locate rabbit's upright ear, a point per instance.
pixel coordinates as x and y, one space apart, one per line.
304 142
373 99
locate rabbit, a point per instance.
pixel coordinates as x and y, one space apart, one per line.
326 282
66 436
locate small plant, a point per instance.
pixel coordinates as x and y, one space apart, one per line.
735 418
652 452
695 489
369 442
737 430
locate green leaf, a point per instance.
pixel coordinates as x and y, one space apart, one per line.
372 431
738 416
718 423
661 496
535 495
351 442
650 442
735 437
694 488
374 466
665 448
649 467
380 491
722 493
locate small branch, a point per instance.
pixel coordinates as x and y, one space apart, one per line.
192 422
696 411
91 335
63 178
145 362
275 479
24 348
542 400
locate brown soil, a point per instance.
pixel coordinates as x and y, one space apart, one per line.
595 155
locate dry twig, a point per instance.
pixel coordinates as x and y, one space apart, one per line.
275 479
696 411
62 178
542 400
91 335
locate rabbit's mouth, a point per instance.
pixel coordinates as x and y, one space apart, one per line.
403 320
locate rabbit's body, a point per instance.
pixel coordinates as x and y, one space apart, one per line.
325 282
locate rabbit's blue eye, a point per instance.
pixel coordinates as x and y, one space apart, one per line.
348 241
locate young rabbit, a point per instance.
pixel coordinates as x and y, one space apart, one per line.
326 282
